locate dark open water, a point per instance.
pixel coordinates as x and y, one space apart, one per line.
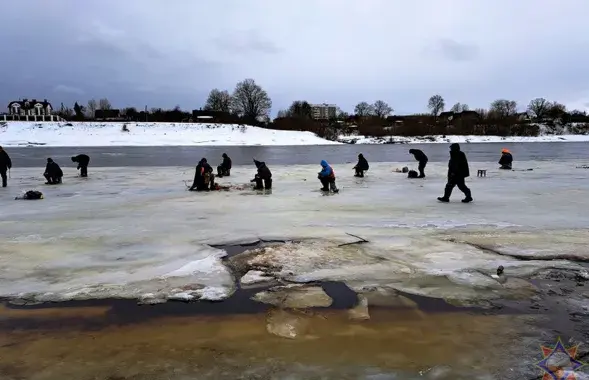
293 155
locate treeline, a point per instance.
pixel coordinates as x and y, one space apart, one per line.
249 103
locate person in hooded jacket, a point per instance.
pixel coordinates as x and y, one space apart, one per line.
263 177
224 170
458 171
53 173
361 166
204 179
83 160
422 159
327 177
506 159
5 165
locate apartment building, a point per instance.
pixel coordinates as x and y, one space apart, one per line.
323 111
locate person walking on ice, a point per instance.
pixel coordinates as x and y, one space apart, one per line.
458 171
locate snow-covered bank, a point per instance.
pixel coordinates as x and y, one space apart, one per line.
120 234
460 139
148 134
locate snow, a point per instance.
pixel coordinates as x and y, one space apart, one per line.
78 134
148 134
358 139
122 234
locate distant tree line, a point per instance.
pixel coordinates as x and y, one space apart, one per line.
249 103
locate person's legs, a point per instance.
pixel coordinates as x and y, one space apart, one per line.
47 178
83 171
448 190
57 180
324 183
268 183
4 178
259 183
332 186
220 171
462 186
359 172
421 168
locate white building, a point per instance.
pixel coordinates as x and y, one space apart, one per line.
323 111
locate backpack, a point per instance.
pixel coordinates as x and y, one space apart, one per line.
412 174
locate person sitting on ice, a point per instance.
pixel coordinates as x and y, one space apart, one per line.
224 170
204 180
263 177
327 177
506 159
53 173
361 166
83 160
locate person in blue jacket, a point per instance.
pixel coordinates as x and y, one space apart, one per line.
327 177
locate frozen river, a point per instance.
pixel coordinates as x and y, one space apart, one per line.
137 233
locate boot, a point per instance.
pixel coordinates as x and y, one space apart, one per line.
468 199
444 199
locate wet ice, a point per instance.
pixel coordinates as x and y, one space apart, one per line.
137 233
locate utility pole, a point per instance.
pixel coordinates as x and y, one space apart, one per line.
146 114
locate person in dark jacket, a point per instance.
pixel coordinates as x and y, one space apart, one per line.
361 166
53 173
5 165
204 180
506 159
458 171
421 158
224 170
327 177
263 177
83 160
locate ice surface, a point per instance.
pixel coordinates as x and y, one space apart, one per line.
148 134
359 139
137 233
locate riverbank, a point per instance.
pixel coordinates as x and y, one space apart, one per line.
93 134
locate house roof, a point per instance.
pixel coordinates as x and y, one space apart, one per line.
31 102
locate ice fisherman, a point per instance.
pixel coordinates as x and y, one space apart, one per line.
361 166
506 159
458 171
327 177
263 177
5 165
422 159
204 180
53 173
83 160
224 170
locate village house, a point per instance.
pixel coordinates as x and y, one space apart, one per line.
31 107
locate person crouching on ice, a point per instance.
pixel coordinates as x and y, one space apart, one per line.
204 180
327 177
263 177
53 173
361 166
224 170
506 159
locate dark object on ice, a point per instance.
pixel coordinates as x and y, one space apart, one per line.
583 167
412 174
327 177
500 270
204 180
31 195
405 169
53 173
263 177
458 171
481 173
506 159
224 170
421 158
361 167
83 160
5 165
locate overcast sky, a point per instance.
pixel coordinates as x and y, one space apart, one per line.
164 53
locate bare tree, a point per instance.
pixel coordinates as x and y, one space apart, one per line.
340 114
503 108
539 107
436 104
91 108
301 109
104 104
556 110
481 112
364 109
381 109
459 107
218 101
250 100
282 113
